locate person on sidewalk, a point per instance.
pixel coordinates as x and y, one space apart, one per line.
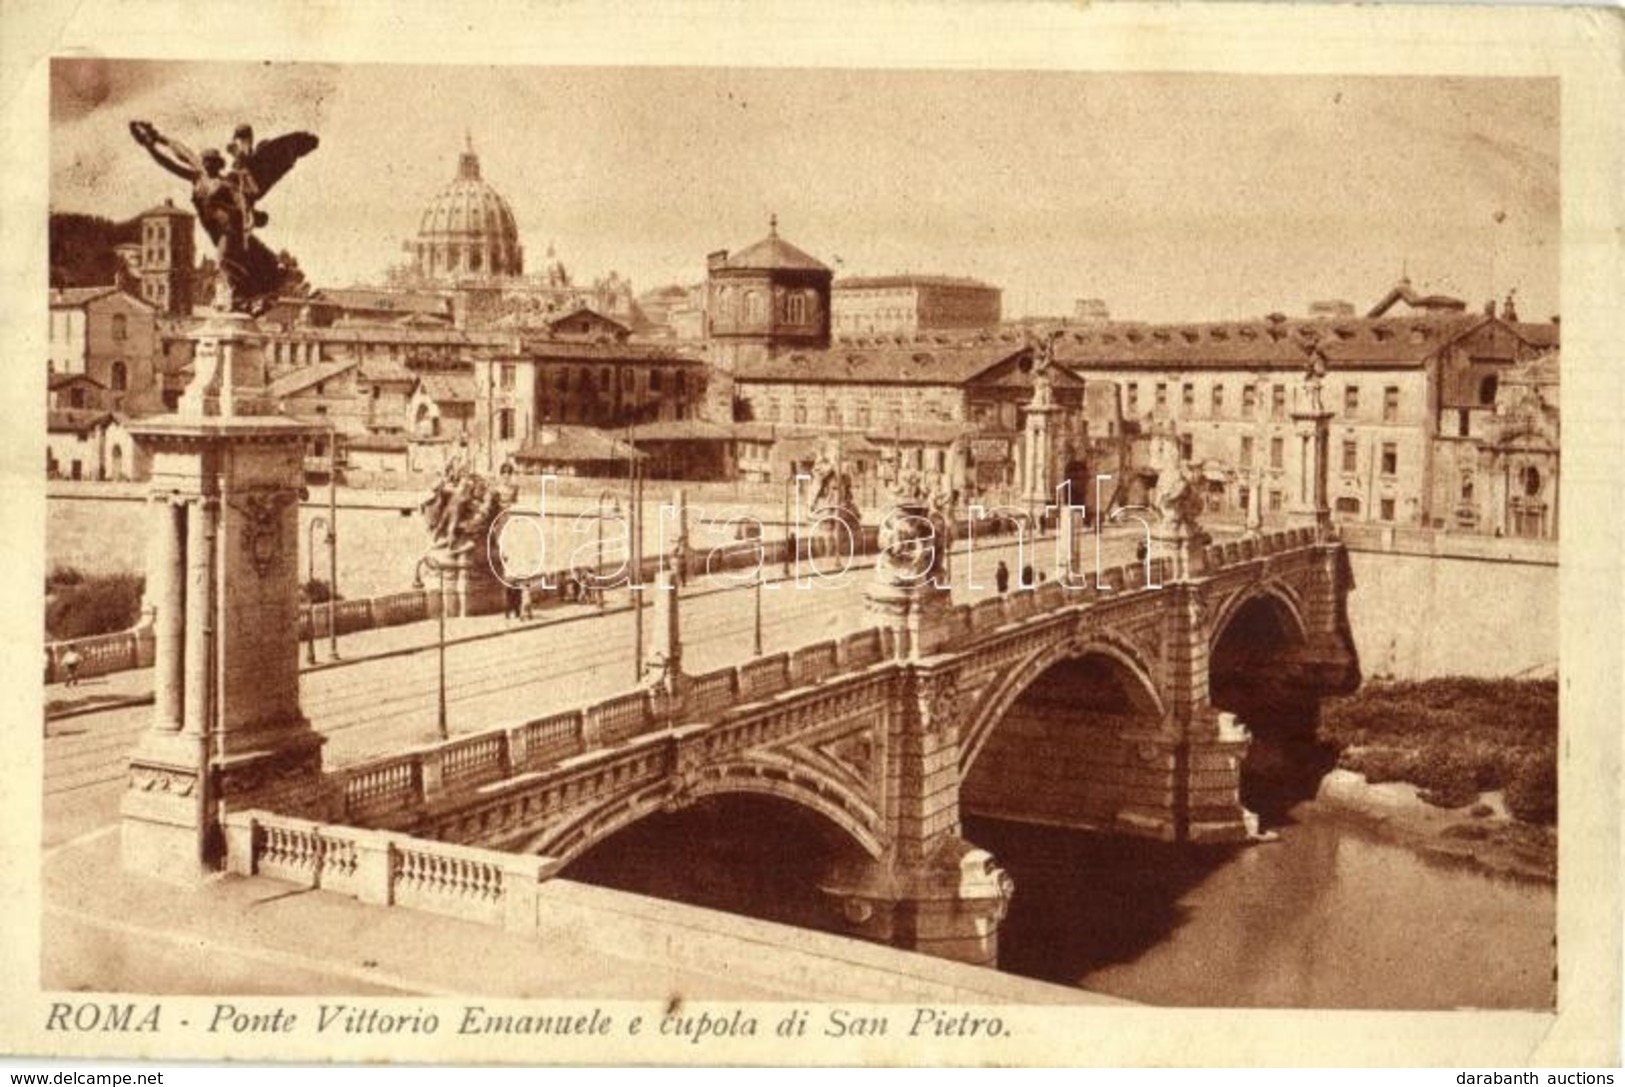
1001 577
70 664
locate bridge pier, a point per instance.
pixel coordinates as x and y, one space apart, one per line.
931 891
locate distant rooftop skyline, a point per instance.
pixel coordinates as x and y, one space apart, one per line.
1169 197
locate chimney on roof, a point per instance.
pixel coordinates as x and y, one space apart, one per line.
1489 308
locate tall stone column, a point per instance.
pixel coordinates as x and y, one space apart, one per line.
166 589
1312 505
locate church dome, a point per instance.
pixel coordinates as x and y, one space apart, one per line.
468 229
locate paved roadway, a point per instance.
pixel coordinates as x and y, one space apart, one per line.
388 703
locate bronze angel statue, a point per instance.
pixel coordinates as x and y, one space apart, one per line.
226 199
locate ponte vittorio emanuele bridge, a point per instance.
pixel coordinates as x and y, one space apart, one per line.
1115 704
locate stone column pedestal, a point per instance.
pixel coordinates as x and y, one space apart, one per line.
227 729
948 903
917 615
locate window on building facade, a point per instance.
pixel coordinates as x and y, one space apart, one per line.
1218 401
1275 501
1278 401
119 378
1390 458
1186 447
1467 486
832 414
1162 396
505 376
1390 404
1246 458
798 309
863 415
1277 452
800 413
1131 399
654 381
1351 456
1351 401
1486 390
505 424
1386 509
1243 497
1249 401
1187 399
121 328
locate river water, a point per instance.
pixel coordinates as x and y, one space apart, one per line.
1325 917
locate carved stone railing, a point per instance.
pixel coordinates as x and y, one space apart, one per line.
101 654
384 869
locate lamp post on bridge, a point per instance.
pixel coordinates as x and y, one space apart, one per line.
429 562
598 570
310 579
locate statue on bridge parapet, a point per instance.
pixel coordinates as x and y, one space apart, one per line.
834 503
461 508
910 592
460 513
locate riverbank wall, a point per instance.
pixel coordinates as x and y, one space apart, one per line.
1429 604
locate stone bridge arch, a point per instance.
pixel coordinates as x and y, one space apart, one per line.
994 702
1259 668
1055 741
1274 593
757 775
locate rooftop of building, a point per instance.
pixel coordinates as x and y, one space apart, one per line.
550 350
772 253
563 443
854 283
911 362
448 388
305 377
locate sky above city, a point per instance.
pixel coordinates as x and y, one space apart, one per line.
1170 197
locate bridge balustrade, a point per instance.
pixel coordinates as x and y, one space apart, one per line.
713 692
389 785
387 869
813 663
764 677
1048 596
986 614
397 608
476 760
549 739
618 719
863 648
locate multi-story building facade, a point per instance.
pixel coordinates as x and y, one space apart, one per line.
956 410
1402 390
167 259
573 382
110 336
1501 476
768 299
906 304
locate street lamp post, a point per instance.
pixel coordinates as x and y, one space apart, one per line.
310 579
428 562
598 571
332 542
758 609
790 544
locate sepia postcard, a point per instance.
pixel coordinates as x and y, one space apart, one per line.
918 534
